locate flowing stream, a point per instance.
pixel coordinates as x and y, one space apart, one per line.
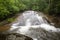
33 24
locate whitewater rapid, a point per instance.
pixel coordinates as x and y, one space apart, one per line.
31 19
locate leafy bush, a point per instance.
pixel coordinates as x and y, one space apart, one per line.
3 11
8 7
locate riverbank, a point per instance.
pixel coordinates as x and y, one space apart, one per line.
6 24
54 19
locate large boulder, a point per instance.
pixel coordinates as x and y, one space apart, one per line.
14 36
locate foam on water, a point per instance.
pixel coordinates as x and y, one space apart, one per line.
48 27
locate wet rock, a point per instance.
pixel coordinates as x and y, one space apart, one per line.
14 36
41 34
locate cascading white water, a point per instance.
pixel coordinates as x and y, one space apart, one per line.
31 19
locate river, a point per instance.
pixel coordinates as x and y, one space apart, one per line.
36 26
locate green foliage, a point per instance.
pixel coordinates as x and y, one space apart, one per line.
10 7
38 5
9 20
3 11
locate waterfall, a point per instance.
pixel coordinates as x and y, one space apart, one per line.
31 20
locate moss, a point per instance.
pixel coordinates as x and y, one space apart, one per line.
9 20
